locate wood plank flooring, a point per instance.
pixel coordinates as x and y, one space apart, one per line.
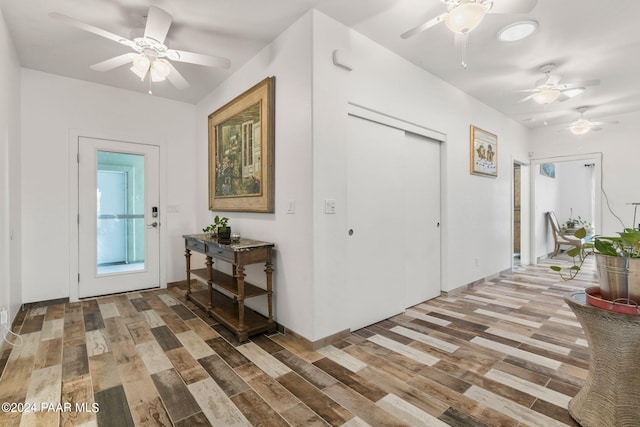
508 352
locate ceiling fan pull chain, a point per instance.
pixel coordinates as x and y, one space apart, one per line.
463 50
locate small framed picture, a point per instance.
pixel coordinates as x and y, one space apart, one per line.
484 152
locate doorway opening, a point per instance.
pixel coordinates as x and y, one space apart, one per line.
517 215
569 187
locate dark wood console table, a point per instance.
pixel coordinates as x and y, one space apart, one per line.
225 294
611 393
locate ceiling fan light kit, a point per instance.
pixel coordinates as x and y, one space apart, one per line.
546 96
465 17
581 127
159 70
141 65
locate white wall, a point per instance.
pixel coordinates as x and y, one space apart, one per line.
288 58
10 257
617 145
54 106
575 187
476 211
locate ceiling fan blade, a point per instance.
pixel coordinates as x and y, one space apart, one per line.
412 32
563 97
197 58
90 28
114 62
526 98
158 23
580 84
513 6
594 82
176 78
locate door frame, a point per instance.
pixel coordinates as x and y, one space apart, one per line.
74 255
525 212
595 158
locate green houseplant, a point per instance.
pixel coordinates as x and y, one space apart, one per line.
617 261
580 222
219 228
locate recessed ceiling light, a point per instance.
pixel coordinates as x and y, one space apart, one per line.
517 31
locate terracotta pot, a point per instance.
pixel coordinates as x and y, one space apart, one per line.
619 277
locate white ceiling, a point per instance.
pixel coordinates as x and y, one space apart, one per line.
586 39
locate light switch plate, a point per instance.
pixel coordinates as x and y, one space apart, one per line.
330 206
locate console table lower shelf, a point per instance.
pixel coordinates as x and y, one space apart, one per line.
225 310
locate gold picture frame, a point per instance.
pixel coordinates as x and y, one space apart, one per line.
484 152
242 152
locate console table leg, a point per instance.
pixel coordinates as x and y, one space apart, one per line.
269 271
187 255
209 264
240 278
240 275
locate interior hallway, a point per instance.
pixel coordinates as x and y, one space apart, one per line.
505 353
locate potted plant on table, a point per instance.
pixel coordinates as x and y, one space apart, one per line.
219 228
583 223
570 224
617 261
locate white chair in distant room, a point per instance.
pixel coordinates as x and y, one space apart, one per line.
559 237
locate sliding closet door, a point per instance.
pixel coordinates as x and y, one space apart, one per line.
393 208
421 166
375 268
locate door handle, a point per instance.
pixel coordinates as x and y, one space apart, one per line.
154 224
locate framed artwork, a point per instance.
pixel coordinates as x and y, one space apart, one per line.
548 169
484 152
242 151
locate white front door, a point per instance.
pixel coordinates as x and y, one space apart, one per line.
393 208
119 193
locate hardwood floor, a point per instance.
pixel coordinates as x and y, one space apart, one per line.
508 352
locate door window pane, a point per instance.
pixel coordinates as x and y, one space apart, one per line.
120 212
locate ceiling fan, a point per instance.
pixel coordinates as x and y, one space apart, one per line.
151 54
463 16
549 89
582 125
